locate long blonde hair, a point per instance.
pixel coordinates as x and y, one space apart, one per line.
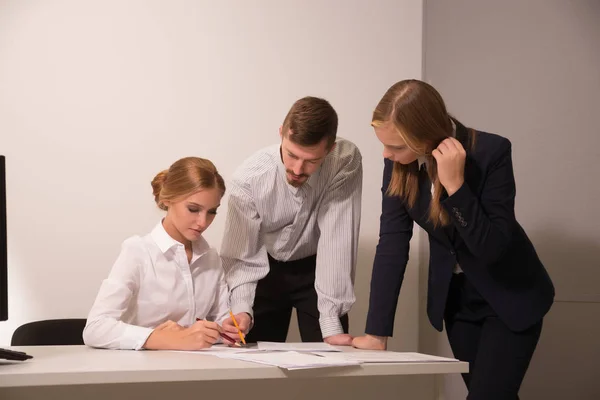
184 178
418 114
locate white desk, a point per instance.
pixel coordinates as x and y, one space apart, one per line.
70 372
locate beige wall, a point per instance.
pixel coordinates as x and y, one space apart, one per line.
530 71
98 96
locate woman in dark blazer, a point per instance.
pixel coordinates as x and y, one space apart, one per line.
486 281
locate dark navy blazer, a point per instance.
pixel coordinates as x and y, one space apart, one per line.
484 238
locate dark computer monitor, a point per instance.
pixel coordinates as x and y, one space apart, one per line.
5 354
3 244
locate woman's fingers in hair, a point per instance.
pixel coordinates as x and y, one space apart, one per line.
450 146
458 145
443 147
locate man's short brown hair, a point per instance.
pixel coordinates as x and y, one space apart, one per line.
309 121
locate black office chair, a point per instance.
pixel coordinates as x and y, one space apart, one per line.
51 332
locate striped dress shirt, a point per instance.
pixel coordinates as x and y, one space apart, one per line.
268 215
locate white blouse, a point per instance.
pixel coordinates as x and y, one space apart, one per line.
152 282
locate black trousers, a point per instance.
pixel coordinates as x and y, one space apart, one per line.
498 357
287 285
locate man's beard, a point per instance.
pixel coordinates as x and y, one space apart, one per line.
296 183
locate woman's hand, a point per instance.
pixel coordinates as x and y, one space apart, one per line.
450 156
167 336
169 326
370 342
201 335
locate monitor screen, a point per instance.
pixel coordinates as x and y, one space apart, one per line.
3 244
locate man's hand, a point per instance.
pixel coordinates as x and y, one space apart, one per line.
342 339
370 342
244 321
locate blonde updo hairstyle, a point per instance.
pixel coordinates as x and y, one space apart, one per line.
184 178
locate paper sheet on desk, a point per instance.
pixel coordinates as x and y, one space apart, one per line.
300 347
290 360
380 356
217 349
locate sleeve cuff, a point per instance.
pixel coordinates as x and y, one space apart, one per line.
242 307
455 205
458 198
384 329
135 337
330 326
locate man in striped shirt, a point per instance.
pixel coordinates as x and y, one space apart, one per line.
292 229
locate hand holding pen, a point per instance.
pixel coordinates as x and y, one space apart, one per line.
226 339
237 325
172 336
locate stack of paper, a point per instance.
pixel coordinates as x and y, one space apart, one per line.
381 356
300 347
290 360
218 348
314 355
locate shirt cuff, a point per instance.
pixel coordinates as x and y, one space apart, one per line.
330 326
242 307
135 337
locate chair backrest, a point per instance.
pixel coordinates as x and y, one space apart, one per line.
51 332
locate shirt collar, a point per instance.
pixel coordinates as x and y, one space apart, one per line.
312 180
422 160
165 242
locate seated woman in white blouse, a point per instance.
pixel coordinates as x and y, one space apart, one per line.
167 289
